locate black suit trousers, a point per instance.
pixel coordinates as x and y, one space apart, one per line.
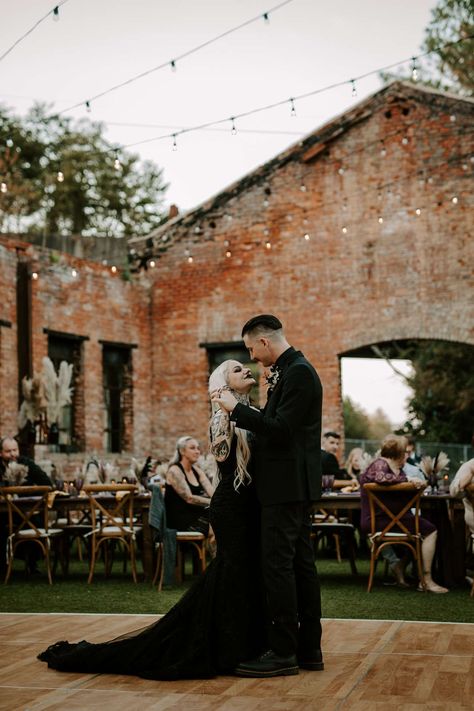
293 596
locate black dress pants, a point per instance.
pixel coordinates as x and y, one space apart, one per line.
293 599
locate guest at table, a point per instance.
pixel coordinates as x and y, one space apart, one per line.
354 465
188 490
9 454
330 446
386 470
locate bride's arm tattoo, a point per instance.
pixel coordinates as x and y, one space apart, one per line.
221 435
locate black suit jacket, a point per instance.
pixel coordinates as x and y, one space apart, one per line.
286 458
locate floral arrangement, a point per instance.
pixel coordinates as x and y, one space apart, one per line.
15 474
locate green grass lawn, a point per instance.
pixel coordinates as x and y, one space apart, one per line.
343 595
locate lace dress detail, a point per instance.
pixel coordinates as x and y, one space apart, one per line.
217 623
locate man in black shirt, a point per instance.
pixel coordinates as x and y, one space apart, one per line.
329 463
9 452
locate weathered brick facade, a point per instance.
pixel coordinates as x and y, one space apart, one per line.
326 235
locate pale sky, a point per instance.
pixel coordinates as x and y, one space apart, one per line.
308 44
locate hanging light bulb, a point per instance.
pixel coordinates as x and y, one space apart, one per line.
454 200
354 88
34 275
405 141
341 171
268 245
3 188
380 220
228 254
113 269
344 230
266 18
73 273
190 260
174 147
307 237
88 107
417 211
383 150
303 188
60 176
117 164
56 13
414 70
233 130
152 263
173 65
292 105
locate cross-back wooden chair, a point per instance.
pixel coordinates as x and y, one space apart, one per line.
470 495
395 531
111 508
28 522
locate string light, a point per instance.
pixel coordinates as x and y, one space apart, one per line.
454 200
190 260
341 171
414 70
303 188
380 220
34 275
3 188
74 273
344 230
354 88
60 176
405 141
56 13
266 19
233 130
88 107
293 110
174 147
113 269
228 254
417 211
383 150
307 237
152 263
173 65
268 245
117 164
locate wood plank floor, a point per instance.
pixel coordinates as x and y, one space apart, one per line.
370 666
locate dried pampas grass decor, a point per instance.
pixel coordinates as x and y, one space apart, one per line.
434 465
34 402
15 474
57 387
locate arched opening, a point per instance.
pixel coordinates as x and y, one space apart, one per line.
422 387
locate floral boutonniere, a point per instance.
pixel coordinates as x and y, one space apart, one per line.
273 376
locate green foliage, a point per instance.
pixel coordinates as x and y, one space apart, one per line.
442 406
359 425
94 198
452 68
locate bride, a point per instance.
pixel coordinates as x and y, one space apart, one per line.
219 620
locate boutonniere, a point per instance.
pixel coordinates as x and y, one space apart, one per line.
273 376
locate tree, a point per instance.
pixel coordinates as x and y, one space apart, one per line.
442 406
452 68
65 178
379 424
356 421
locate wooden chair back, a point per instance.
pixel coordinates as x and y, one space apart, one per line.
375 494
115 510
24 503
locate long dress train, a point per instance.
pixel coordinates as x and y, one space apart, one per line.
216 624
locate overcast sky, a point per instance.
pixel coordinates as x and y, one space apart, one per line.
306 45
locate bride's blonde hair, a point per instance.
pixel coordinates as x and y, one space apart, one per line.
219 379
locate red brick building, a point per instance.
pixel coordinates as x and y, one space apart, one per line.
360 234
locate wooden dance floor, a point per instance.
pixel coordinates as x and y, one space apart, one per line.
370 666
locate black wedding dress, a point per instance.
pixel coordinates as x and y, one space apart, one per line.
217 623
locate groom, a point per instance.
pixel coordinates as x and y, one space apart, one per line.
287 473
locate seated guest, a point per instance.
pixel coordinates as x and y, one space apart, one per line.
464 476
35 476
412 457
329 463
188 490
354 465
386 470
10 453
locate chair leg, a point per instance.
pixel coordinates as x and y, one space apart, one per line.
338 547
159 569
132 560
352 554
372 571
92 563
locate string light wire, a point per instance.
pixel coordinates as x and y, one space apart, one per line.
32 29
172 62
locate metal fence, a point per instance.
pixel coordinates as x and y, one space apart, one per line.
457 453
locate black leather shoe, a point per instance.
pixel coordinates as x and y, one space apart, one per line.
313 662
269 664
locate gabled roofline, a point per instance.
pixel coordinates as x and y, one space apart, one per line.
316 140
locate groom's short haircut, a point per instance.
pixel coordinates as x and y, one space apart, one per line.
262 324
